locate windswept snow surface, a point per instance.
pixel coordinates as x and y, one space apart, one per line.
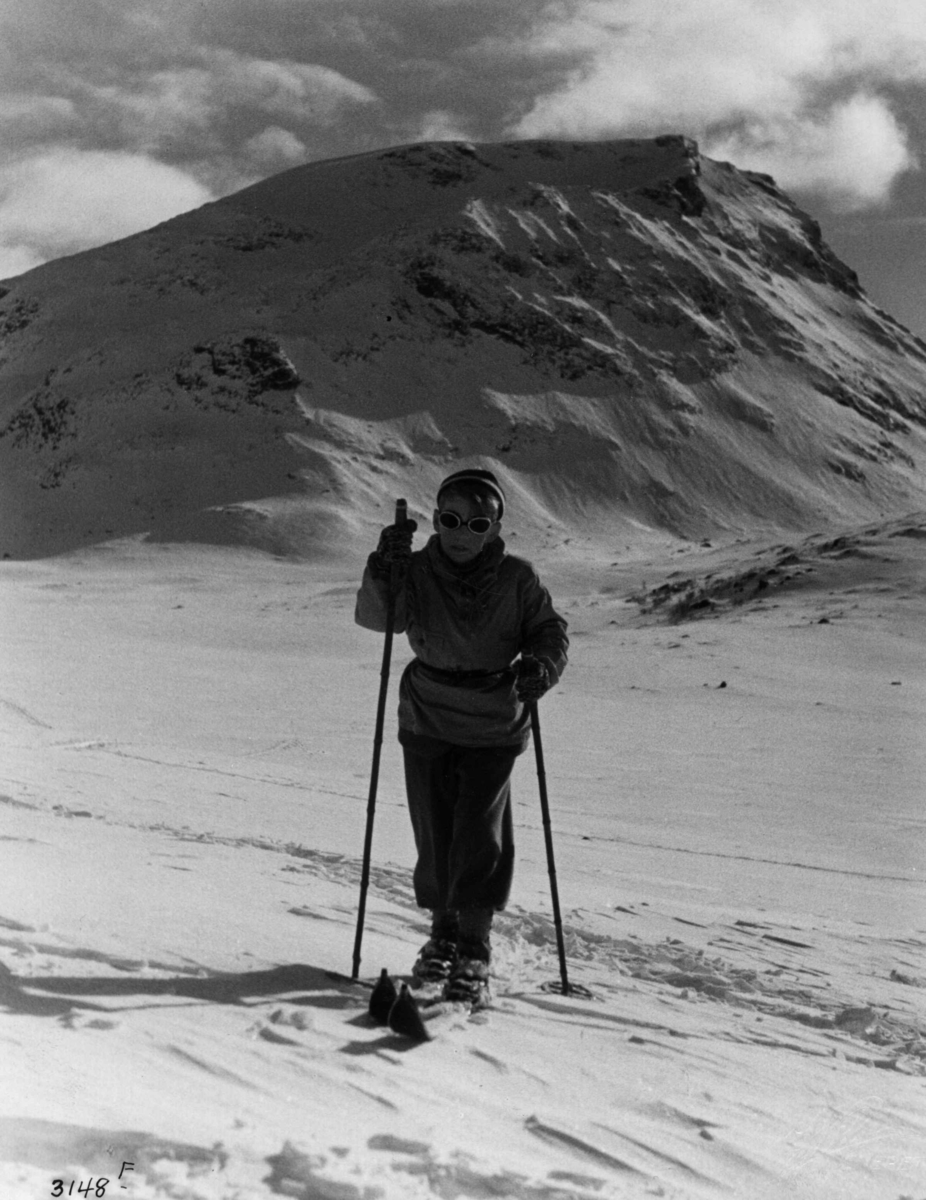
737 814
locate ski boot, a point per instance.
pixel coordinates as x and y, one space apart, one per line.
435 961
469 983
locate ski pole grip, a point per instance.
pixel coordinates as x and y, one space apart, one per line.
401 512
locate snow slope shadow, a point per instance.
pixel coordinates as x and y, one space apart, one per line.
55 1146
39 995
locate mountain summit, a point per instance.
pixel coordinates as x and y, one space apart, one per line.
628 333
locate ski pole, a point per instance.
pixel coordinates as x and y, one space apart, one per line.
401 516
548 837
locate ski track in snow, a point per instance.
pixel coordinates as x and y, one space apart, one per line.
785 987
752 858
24 714
315 788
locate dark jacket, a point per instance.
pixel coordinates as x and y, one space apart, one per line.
466 624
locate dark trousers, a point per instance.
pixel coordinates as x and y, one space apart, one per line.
459 798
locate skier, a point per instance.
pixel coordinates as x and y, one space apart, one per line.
469 610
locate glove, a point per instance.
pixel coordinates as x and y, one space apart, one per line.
395 544
532 680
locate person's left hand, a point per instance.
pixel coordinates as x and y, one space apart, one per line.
533 679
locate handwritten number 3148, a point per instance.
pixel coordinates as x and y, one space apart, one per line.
83 1189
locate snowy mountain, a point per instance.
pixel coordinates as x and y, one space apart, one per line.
628 333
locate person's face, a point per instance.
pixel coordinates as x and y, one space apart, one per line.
461 545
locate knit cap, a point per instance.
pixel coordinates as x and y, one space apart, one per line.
476 475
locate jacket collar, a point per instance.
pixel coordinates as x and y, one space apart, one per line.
485 564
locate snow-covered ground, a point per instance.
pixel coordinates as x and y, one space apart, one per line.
737 814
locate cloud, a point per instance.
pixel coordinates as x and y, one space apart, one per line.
135 140
441 126
853 154
64 200
201 103
17 260
24 116
274 149
305 91
803 85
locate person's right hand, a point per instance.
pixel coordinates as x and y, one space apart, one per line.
395 543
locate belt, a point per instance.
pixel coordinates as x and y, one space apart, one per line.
442 676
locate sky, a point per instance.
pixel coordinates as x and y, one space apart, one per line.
118 114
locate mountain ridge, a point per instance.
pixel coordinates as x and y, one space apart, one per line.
634 336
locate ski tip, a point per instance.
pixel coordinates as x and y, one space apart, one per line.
382 999
405 1019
